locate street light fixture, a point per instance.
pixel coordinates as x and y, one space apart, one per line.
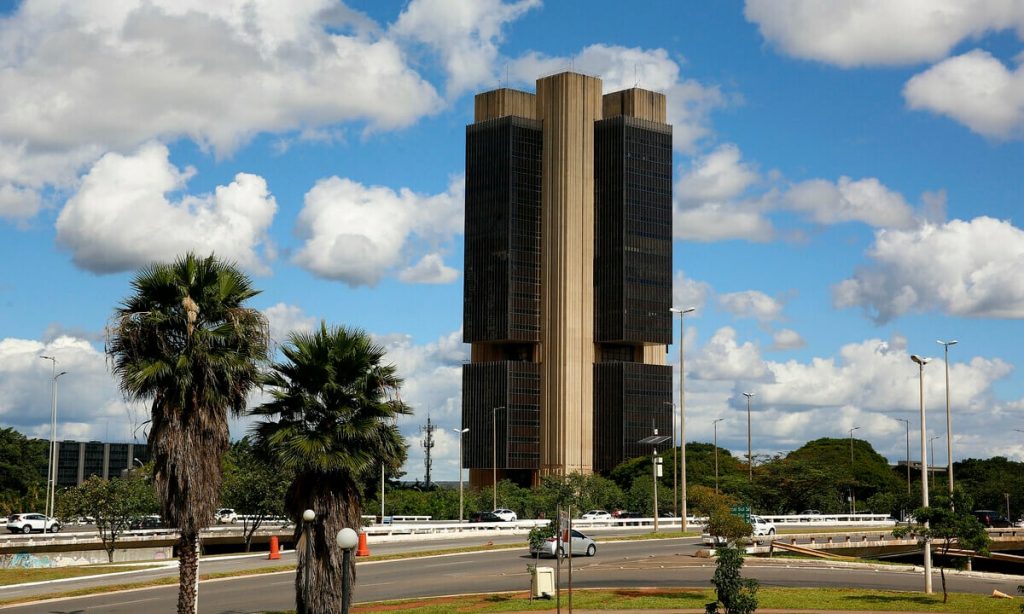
654 441
750 455
308 517
715 425
346 540
51 464
461 433
931 451
949 420
682 409
921 362
907 421
494 455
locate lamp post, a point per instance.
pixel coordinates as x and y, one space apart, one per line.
308 517
675 462
654 441
346 540
461 433
750 455
494 456
921 362
931 452
51 464
907 421
853 500
949 421
682 408
715 425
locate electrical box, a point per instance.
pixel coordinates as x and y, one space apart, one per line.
542 582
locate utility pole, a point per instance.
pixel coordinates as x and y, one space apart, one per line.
428 444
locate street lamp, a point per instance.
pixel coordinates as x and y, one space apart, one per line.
715 425
931 451
654 441
51 465
346 540
461 432
949 420
750 455
682 409
308 517
853 500
907 421
921 362
494 456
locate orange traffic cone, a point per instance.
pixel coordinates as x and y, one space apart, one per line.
274 552
362 550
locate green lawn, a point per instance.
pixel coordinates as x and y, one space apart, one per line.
19 576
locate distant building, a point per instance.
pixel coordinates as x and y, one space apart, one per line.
568 279
77 461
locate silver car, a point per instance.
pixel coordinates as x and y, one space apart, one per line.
26 523
555 546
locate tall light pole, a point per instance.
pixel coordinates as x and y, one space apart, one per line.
949 420
853 500
715 425
461 433
675 463
921 362
931 451
907 421
682 406
494 456
750 455
51 466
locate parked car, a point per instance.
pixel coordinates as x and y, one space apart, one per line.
26 523
505 514
554 546
485 517
992 519
626 514
147 522
596 515
226 515
762 526
814 515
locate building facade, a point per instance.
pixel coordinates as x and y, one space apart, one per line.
568 278
77 461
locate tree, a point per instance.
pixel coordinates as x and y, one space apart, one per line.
22 472
950 523
186 342
737 594
254 486
330 420
113 503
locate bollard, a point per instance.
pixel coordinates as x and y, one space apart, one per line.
362 550
275 554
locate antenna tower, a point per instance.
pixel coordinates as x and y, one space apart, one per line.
428 444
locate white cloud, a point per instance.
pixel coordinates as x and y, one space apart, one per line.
18 203
84 78
464 34
787 339
847 200
285 319
974 89
879 32
689 102
120 217
751 304
431 269
722 358
718 176
358 234
722 222
963 268
688 292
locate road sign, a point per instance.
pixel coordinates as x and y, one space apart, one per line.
743 511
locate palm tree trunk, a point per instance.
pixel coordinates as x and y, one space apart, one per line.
188 573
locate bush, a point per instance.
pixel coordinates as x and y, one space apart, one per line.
737 594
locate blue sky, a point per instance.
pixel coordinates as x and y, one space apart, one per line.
847 178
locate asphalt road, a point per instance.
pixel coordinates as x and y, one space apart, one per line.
663 563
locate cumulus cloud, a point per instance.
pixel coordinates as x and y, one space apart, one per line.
689 101
974 89
465 34
120 217
718 176
431 269
878 32
357 234
848 200
751 304
687 292
787 339
18 203
285 319
963 268
723 358
84 78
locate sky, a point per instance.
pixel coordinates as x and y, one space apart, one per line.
846 181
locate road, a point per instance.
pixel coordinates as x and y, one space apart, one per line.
661 563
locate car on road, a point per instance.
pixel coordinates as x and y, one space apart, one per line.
485 517
226 515
147 522
556 546
761 526
992 519
27 523
810 515
596 515
505 514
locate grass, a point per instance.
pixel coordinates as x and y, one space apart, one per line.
42 574
813 600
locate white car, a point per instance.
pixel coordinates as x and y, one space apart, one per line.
226 515
26 523
554 546
505 514
762 526
596 515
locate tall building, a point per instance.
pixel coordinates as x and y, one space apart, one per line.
77 461
568 278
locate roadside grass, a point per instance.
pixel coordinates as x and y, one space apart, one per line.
9 576
812 600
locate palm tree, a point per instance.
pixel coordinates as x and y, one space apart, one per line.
334 403
185 341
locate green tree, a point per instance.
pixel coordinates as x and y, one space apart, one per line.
737 594
186 342
254 486
113 503
22 472
330 420
950 524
